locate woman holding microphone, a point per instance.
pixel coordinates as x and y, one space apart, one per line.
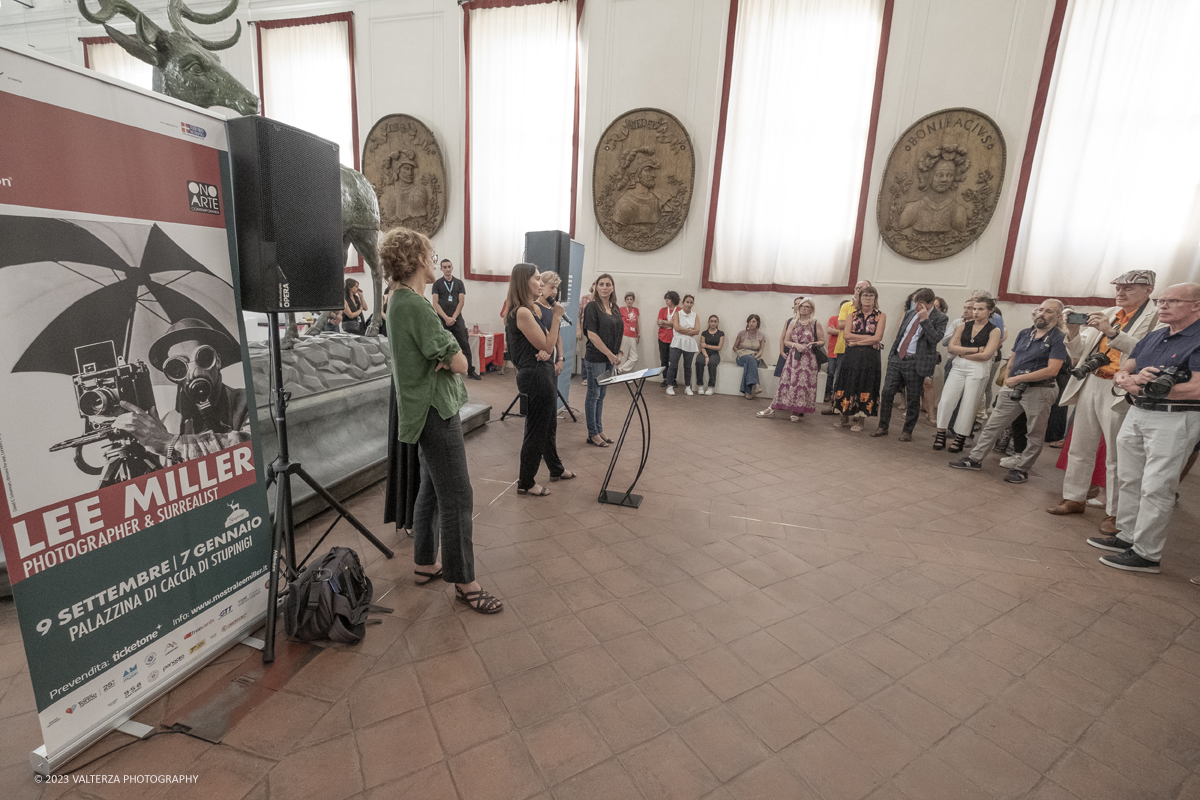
531 346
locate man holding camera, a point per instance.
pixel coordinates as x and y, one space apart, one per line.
209 416
1162 377
1038 354
1099 349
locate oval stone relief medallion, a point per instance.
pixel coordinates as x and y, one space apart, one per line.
941 184
403 162
642 179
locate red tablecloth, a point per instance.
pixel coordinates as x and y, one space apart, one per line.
489 349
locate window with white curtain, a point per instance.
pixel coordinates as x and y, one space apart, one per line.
799 116
306 78
521 84
1115 183
111 59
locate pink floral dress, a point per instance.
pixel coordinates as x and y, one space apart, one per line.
797 393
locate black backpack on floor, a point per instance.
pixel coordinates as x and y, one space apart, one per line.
330 600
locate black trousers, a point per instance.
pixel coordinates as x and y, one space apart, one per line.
711 360
445 501
459 331
901 374
664 355
541 423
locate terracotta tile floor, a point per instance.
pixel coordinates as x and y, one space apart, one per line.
795 611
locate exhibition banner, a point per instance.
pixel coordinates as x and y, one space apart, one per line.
134 515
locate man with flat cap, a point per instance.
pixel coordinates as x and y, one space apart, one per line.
1100 407
209 416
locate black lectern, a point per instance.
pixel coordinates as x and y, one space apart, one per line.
638 404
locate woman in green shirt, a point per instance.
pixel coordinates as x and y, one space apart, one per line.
426 367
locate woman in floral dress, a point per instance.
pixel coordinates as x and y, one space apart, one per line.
856 390
797 392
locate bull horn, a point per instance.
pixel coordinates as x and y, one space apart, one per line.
177 12
142 47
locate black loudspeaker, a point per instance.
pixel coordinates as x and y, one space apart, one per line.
550 250
288 210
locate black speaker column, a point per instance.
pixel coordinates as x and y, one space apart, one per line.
550 250
288 210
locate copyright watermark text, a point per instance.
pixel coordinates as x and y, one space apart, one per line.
102 778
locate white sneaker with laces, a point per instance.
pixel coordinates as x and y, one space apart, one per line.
671 391
708 391
688 391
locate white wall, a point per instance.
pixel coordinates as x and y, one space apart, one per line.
984 54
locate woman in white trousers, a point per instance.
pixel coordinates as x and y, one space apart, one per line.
974 346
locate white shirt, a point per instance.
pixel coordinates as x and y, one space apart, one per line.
681 340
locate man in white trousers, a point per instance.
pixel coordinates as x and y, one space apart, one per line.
1162 377
1107 338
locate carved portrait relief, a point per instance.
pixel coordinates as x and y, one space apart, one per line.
403 162
941 184
642 179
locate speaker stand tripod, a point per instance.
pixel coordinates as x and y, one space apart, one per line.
508 412
280 472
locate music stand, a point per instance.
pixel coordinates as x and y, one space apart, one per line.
638 404
508 412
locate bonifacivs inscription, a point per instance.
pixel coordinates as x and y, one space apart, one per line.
642 179
403 162
941 184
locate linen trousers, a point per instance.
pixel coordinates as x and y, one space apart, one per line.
1152 448
1035 404
965 382
445 500
1095 417
630 357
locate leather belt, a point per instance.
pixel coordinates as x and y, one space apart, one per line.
1144 406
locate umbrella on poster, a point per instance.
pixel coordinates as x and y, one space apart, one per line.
118 288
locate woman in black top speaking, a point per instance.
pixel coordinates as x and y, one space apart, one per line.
604 328
530 346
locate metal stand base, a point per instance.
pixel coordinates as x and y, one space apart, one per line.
136 729
620 499
638 405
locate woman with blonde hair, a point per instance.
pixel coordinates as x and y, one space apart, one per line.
797 392
427 368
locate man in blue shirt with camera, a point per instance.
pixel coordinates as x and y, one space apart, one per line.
1162 377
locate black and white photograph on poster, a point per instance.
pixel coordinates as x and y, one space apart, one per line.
122 356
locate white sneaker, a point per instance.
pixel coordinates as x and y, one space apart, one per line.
1096 502
688 391
671 391
1010 462
708 391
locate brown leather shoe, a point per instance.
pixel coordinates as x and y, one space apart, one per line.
905 437
1109 526
1067 507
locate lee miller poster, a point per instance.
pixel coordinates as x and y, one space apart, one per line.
134 518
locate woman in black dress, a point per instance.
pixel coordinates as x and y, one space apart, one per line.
354 311
530 346
856 390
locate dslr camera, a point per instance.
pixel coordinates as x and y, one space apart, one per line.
1160 387
1090 364
105 381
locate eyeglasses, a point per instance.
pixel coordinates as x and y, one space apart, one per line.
176 367
1170 303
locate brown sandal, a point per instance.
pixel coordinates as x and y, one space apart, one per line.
479 601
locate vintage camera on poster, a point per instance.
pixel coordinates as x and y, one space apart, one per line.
102 383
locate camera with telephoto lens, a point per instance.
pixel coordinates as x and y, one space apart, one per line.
1160 386
105 381
1090 364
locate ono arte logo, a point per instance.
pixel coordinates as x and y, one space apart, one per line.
202 197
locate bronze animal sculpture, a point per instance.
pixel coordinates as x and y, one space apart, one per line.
186 69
